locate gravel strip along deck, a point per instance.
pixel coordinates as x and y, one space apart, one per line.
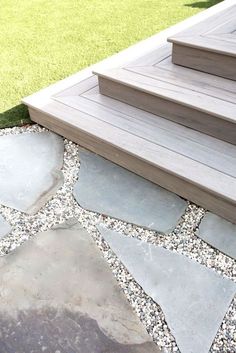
182 240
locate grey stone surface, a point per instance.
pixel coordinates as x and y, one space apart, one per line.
219 233
193 298
30 169
58 295
4 227
107 188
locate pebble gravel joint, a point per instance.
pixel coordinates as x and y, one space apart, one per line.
63 210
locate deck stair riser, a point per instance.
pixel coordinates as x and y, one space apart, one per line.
209 46
121 87
205 61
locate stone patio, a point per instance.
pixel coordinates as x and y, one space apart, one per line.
58 294
30 170
194 299
53 286
219 233
106 188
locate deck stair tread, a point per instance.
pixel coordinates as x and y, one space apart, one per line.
213 96
159 131
209 46
171 86
215 34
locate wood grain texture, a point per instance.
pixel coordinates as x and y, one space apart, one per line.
215 26
161 105
160 123
181 166
198 100
205 61
194 81
209 46
161 132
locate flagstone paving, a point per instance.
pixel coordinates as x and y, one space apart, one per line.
5 227
59 295
107 188
219 233
194 299
59 325
30 169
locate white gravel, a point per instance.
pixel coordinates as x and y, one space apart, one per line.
182 240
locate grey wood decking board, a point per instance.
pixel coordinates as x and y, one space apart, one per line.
199 194
186 116
181 166
156 56
76 89
147 127
192 82
205 61
228 87
209 46
224 27
174 92
197 35
201 101
206 25
165 124
225 37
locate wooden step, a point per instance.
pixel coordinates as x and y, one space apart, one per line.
201 101
209 46
195 166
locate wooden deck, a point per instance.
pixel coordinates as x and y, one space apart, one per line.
198 100
157 146
209 46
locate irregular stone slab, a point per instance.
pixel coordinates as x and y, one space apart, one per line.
5 227
30 166
219 233
193 298
107 188
58 295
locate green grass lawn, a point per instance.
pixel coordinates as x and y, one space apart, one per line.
42 41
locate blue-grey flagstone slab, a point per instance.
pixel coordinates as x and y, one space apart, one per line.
5 227
193 298
30 169
219 233
109 189
59 295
